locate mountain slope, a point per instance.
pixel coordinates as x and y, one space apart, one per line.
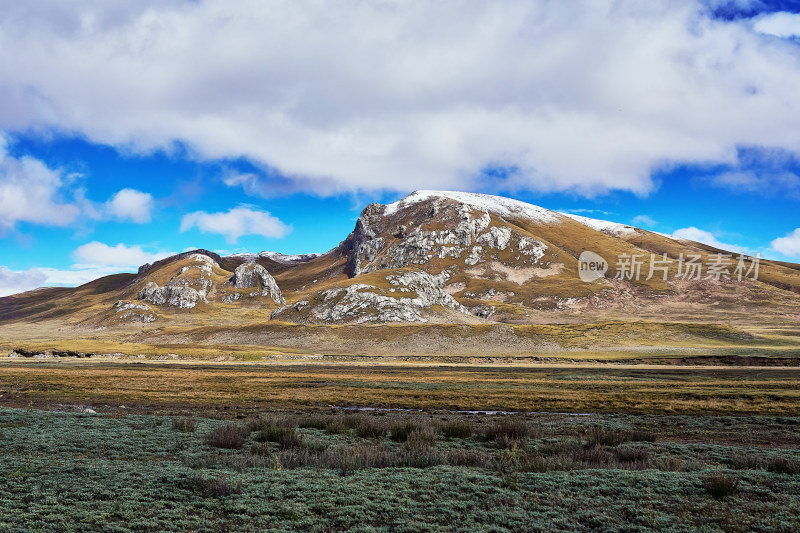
434 256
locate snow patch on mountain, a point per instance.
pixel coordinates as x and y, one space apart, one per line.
278 257
610 228
499 205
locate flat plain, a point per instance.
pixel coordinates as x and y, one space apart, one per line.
573 387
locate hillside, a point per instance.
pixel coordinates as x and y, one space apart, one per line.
433 260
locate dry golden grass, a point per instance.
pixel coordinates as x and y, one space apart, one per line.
568 388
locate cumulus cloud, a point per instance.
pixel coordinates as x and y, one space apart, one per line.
31 192
373 95
779 24
12 282
788 245
130 204
235 223
97 254
92 261
706 237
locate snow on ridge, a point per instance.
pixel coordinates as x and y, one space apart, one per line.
288 258
500 205
277 256
611 228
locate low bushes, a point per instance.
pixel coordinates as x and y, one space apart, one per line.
783 465
721 485
229 435
187 425
509 433
457 429
216 487
598 435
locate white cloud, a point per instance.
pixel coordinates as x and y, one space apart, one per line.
12 282
762 181
235 223
130 204
781 24
585 96
97 254
706 237
31 192
788 245
644 220
78 276
93 260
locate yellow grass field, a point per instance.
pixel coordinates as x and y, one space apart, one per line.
572 387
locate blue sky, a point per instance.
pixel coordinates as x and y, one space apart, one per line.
129 131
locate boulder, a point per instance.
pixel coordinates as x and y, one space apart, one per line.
255 276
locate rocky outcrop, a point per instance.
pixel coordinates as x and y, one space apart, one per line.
406 299
365 239
131 311
255 276
185 289
454 230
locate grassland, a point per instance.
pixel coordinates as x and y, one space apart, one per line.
248 335
596 388
329 470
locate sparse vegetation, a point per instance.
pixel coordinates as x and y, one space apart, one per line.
229 435
457 429
721 485
238 471
187 425
573 388
784 465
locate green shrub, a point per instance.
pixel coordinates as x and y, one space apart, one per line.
593 456
399 431
721 485
512 428
213 487
313 422
368 428
336 426
641 435
457 429
743 461
420 439
784 465
628 454
230 436
187 425
507 434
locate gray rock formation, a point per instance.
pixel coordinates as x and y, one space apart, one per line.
365 240
410 294
466 235
131 311
183 290
255 276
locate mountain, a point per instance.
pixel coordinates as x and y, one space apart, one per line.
435 257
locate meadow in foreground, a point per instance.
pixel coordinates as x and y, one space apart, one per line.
332 469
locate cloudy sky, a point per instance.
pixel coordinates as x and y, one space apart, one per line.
130 130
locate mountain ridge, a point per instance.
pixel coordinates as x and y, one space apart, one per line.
439 256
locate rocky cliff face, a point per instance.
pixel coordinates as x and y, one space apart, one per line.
254 276
389 237
406 297
184 290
